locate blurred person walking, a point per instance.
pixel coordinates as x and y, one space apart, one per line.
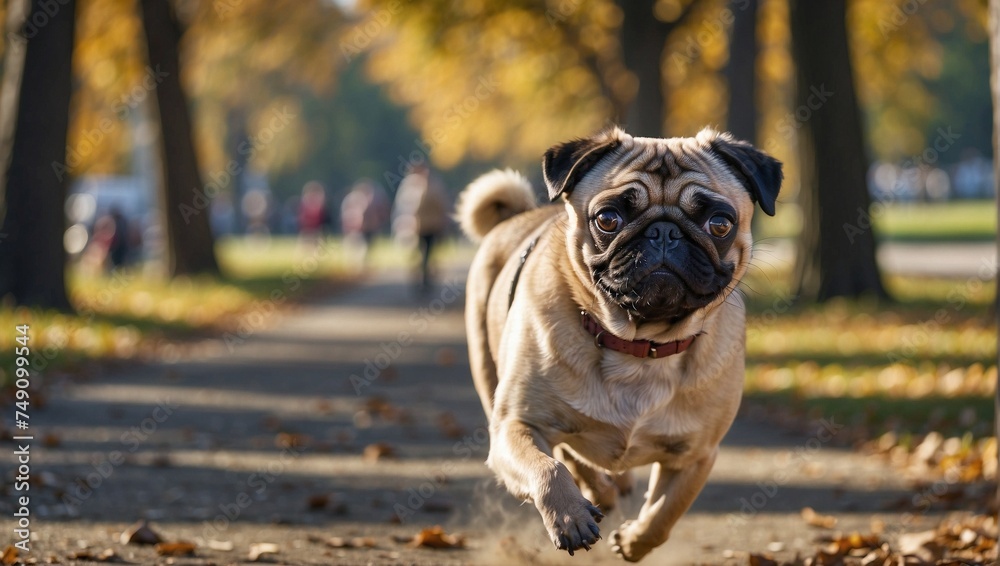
111 243
313 216
363 214
420 216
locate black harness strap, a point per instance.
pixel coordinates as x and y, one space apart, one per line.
517 274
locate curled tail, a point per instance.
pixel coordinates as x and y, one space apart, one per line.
491 199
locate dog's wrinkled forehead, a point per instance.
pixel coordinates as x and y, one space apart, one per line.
661 169
663 166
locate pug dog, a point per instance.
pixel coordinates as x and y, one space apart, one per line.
604 331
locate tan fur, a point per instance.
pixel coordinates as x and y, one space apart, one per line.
565 414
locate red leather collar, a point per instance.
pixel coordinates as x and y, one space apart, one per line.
637 348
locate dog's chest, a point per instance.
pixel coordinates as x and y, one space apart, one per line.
637 414
647 441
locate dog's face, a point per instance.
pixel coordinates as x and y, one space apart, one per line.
661 227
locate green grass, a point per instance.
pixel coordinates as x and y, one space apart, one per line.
959 221
926 361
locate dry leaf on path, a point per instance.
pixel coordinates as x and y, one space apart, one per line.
291 440
435 537
318 501
106 555
449 426
140 533
221 545
378 451
260 550
179 548
344 542
9 555
913 544
814 519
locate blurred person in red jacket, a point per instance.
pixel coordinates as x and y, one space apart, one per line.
313 216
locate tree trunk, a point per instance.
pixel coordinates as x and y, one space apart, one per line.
643 41
186 229
34 119
836 252
995 87
741 71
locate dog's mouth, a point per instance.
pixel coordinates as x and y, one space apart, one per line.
661 289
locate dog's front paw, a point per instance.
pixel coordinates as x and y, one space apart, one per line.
572 526
625 542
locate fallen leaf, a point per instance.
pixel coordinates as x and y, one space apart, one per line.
344 542
378 406
762 560
160 461
318 501
913 543
814 519
221 545
446 357
449 427
291 440
378 451
435 537
106 555
9 555
140 533
260 550
179 548
51 440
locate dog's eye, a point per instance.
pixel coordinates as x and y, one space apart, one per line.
719 226
608 220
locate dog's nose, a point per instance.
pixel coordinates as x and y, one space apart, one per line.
668 232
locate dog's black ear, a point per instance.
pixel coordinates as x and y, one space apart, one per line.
565 164
759 172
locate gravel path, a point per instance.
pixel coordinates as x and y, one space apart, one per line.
302 432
